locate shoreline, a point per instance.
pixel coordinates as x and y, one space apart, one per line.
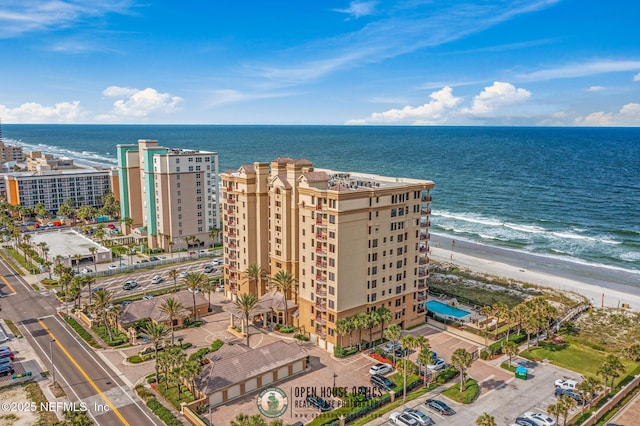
602 286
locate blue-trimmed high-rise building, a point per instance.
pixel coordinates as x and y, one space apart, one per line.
171 194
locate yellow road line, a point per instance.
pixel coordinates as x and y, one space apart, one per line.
7 284
86 376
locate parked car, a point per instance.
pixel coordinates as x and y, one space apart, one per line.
381 368
148 297
202 252
5 351
5 360
438 364
6 370
217 261
400 353
191 290
157 279
126 303
97 289
130 285
208 269
439 407
184 274
391 347
523 421
402 419
382 382
566 384
540 418
86 271
153 259
220 288
319 403
113 266
419 416
577 396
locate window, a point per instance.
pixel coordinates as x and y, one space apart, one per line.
332 290
332 304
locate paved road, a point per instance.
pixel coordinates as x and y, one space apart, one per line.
84 376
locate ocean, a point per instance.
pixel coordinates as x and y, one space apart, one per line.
563 193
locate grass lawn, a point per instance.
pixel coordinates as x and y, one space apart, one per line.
397 379
468 396
171 394
573 356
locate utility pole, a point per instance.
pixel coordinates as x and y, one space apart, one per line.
53 366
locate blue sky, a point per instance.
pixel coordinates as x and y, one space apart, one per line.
407 62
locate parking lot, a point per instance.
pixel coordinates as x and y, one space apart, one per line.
144 277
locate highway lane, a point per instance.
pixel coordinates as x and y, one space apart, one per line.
84 376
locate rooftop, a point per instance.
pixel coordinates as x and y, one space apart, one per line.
66 243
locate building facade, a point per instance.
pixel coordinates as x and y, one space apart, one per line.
52 188
170 192
354 242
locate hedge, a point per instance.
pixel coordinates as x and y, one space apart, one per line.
158 409
82 332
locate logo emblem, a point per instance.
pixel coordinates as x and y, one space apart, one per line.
272 402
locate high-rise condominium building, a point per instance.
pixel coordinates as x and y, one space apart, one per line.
171 192
354 242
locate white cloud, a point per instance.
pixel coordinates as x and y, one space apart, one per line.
23 16
636 77
358 9
33 112
229 96
580 70
141 103
434 112
595 89
494 97
628 115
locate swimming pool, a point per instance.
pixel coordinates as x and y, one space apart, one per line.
441 309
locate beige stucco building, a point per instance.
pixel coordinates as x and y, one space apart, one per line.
170 192
353 241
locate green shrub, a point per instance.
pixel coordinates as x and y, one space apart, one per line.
135 359
189 323
287 329
301 337
446 375
340 352
484 355
217 344
186 345
82 332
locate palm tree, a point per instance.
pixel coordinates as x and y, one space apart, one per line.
555 410
487 311
246 302
615 367
174 274
255 274
189 371
351 327
113 315
163 364
208 286
246 420
93 251
530 326
342 328
177 358
510 348
87 280
408 343
486 420
77 258
393 333
425 357
462 359
499 310
194 281
171 307
214 232
360 322
283 281
156 333
567 403
103 300
373 320
589 387
385 315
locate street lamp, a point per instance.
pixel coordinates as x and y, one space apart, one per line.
53 366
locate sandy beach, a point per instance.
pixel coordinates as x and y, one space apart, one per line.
602 286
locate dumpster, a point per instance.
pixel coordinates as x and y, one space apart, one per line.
521 373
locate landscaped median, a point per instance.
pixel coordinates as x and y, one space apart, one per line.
158 409
82 332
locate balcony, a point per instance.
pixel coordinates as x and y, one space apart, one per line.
320 320
426 199
424 237
322 307
229 188
321 333
422 286
322 292
423 261
425 211
231 212
233 225
422 274
321 265
231 234
231 201
321 279
425 224
321 250
321 237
